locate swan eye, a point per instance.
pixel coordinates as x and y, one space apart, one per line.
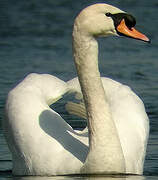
108 14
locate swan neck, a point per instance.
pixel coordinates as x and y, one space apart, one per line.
103 137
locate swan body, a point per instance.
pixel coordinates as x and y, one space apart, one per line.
127 111
42 143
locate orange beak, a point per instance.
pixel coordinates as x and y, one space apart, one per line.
132 32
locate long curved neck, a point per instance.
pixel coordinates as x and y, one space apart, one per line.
105 152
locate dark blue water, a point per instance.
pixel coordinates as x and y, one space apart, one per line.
35 36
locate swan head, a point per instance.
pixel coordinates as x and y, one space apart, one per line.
105 20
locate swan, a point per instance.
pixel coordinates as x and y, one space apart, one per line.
42 143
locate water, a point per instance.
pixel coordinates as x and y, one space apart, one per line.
35 36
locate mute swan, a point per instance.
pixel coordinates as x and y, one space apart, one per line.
42 143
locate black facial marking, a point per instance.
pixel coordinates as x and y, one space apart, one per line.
108 14
130 21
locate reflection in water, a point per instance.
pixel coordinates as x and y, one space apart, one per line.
112 177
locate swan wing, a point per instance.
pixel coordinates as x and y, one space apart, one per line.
131 121
40 140
129 115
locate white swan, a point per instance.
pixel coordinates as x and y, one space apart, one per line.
42 143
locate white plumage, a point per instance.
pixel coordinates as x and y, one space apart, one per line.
42 143
129 114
